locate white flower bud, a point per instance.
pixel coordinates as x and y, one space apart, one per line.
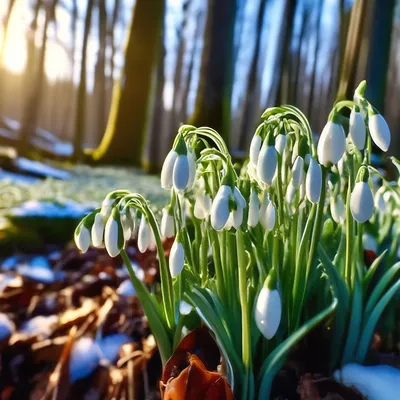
379 131
332 144
357 131
192 169
313 181
268 312
126 224
220 208
168 169
176 259
267 214
362 202
379 199
181 172
144 235
290 192
106 207
82 238
98 230
254 210
167 224
266 165
237 217
338 209
298 172
280 143
255 147
112 236
340 166
185 308
370 243
240 200
202 206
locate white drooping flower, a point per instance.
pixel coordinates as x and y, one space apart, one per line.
268 310
168 169
144 235
266 165
314 181
382 199
181 172
362 202
255 147
176 258
378 382
82 237
280 143
338 209
113 234
357 131
298 172
220 207
98 230
192 169
127 224
332 144
267 214
167 223
185 308
202 205
106 207
254 209
370 243
290 192
379 130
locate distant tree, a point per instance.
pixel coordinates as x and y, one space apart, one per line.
252 97
126 128
100 79
35 89
80 114
213 101
112 25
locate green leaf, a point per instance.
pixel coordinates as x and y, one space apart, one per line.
369 326
276 359
371 271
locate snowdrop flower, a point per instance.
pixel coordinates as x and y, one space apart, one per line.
378 129
202 205
332 144
254 209
192 168
379 382
167 223
144 235
82 235
107 206
98 230
268 310
255 147
267 162
382 199
267 214
290 192
168 169
185 308
370 243
298 172
314 181
126 224
84 359
7 327
338 209
280 143
113 234
176 257
220 208
357 130
362 202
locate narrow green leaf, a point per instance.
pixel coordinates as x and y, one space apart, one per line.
371 271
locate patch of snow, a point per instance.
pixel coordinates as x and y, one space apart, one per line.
111 345
17 178
39 262
84 359
38 274
9 263
41 169
7 327
126 289
40 325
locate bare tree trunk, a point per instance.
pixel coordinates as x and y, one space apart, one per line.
250 108
33 101
126 127
213 101
100 81
80 116
114 19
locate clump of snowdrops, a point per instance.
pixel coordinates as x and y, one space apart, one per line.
256 245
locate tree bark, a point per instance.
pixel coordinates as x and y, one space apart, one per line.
250 108
213 100
125 133
80 115
32 103
114 19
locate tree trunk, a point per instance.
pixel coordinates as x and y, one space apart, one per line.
213 101
114 19
125 133
100 80
32 103
250 108
80 115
